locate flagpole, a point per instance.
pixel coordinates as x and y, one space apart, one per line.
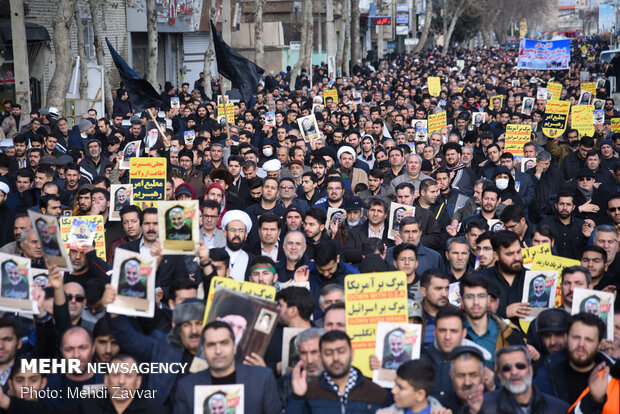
163 134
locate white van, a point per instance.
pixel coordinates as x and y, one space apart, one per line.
608 55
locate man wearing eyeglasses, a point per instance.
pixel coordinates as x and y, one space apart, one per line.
589 200
517 394
209 233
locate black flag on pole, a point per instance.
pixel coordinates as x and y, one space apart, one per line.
242 73
141 93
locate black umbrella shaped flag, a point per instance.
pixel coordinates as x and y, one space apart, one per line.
241 72
141 93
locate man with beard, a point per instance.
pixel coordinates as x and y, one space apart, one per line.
484 327
570 232
9 347
132 285
508 273
122 200
294 247
170 266
237 224
517 394
434 287
49 244
324 393
177 228
538 297
398 355
307 347
489 201
314 229
464 177
566 373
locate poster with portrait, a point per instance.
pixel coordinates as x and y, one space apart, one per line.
598 303
600 83
189 136
599 116
178 226
40 277
497 102
79 231
270 118
585 98
396 343
253 320
495 225
175 102
219 399
16 285
539 291
290 353
133 276
336 215
527 106
527 163
479 118
132 149
122 196
598 104
397 213
454 294
541 93
48 233
421 129
309 127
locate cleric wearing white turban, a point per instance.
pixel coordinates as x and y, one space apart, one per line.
236 225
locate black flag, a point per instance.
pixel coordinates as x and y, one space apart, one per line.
242 73
141 93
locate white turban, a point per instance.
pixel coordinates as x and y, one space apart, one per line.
233 215
348 149
272 165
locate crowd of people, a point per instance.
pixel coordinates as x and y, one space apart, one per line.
265 193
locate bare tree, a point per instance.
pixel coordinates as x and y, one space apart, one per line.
347 38
82 54
305 52
151 43
64 59
453 9
356 51
97 12
259 48
427 27
209 54
340 39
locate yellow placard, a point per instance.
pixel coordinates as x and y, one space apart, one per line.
371 298
227 111
517 136
77 231
554 90
584 50
582 119
436 122
255 289
492 102
615 124
531 253
330 93
148 176
434 85
555 263
589 87
556 118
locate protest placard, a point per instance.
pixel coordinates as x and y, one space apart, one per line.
371 298
557 263
516 137
554 91
40 277
527 106
527 163
309 127
16 285
330 93
582 119
48 232
539 290
336 216
397 213
531 253
225 399
178 226
121 196
133 276
189 136
615 124
589 87
175 102
541 93
252 320
598 104
436 122
599 116
598 303
226 111
148 177
556 118
497 102
544 55
434 85
132 149
454 294
80 231
478 118
396 344
421 129
270 118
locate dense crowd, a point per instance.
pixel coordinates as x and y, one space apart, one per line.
265 193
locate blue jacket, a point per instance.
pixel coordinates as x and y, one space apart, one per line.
152 348
525 187
317 282
260 391
441 366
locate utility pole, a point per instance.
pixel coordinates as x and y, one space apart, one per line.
20 57
227 36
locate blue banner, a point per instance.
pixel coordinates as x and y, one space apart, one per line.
541 55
